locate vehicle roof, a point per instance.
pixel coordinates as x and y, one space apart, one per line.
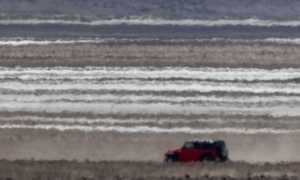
204 140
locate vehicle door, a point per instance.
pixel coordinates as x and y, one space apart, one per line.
197 151
187 152
208 148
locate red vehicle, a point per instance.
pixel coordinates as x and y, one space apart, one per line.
205 150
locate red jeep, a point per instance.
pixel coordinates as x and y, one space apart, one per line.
205 150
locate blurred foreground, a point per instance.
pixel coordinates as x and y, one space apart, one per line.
30 169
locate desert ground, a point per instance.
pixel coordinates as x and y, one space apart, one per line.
104 92
111 110
143 170
157 54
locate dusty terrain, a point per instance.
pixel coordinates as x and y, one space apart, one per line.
114 111
57 31
252 55
52 144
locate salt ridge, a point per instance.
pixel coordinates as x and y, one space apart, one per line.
156 22
21 41
146 129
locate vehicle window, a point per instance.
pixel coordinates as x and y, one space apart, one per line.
207 145
197 145
188 145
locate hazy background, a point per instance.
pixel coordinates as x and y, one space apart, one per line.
168 9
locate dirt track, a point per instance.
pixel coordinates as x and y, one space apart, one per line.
143 170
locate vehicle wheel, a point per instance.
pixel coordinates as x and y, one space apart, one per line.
224 154
223 159
206 158
172 158
169 160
